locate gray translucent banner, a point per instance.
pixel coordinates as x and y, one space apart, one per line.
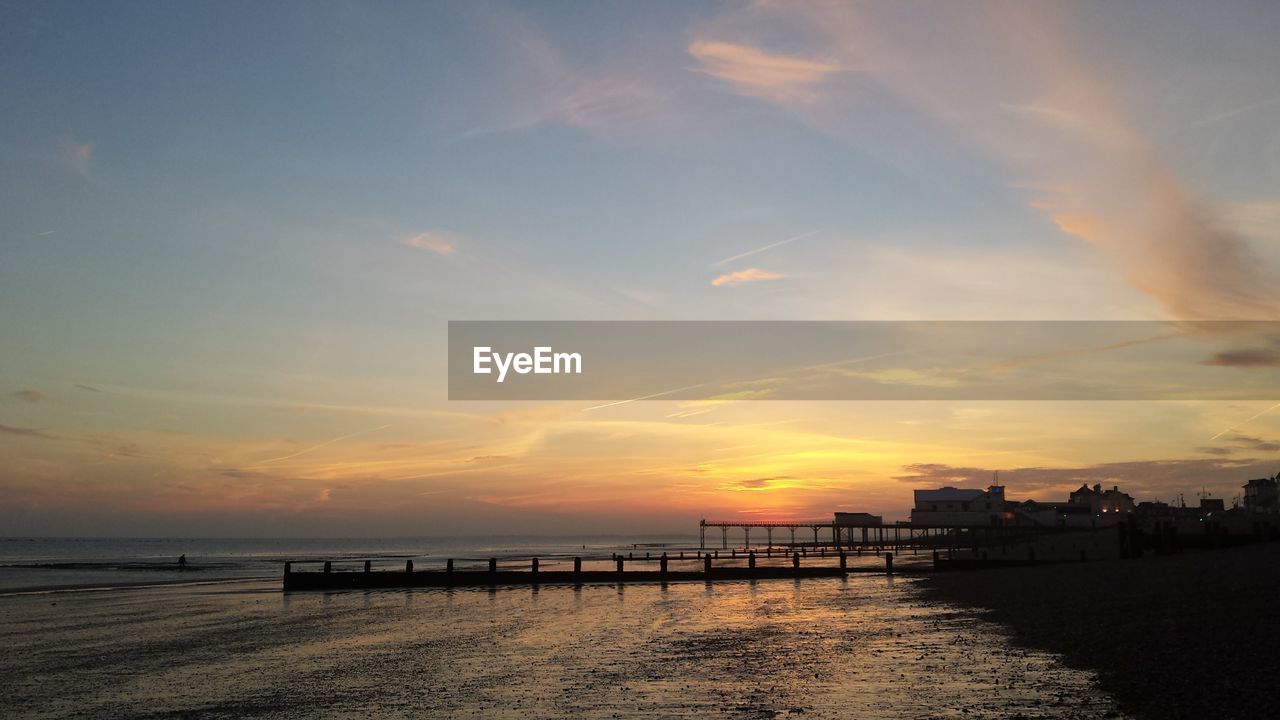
783 360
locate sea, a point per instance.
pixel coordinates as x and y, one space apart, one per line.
45 564
114 628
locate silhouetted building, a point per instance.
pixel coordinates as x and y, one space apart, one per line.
1260 496
1209 506
1101 502
960 507
858 519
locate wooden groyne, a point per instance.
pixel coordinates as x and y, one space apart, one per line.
368 579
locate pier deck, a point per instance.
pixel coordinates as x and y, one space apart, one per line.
481 578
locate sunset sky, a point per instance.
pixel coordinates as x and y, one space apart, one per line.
231 236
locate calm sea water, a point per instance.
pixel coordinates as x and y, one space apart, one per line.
50 563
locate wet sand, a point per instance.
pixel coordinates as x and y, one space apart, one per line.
866 647
1181 636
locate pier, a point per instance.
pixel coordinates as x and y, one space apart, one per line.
875 538
704 567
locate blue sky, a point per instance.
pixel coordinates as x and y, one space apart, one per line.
218 210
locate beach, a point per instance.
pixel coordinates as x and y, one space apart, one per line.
863 647
1176 636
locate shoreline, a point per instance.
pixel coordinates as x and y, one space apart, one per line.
134 585
1191 635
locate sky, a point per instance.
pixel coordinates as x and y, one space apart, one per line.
232 234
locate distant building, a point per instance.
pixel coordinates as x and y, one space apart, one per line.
1101 502
858 519
972 507
1260 496
960 507
1053 514
1209 506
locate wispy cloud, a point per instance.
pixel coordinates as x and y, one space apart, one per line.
77 155
546 88
25 432
770 246
31 396
1253 357
745 276
1043 112
438 242
752 71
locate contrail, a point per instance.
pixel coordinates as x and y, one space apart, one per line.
1246 422
1236 111
317 447
771 246
646 397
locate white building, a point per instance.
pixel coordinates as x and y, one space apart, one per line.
956 507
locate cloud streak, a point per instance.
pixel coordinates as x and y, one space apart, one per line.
770 246
740 277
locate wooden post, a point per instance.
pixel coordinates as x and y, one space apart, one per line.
844 561
368 566
706 565
662 564
888 563
448 566
493 565
619 564
288 568
408 566
795 561
935 559
751 561
534 566
328 566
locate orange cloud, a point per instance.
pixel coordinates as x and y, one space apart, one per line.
745 276
755 72
440 243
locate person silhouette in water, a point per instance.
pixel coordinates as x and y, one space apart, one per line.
182 562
